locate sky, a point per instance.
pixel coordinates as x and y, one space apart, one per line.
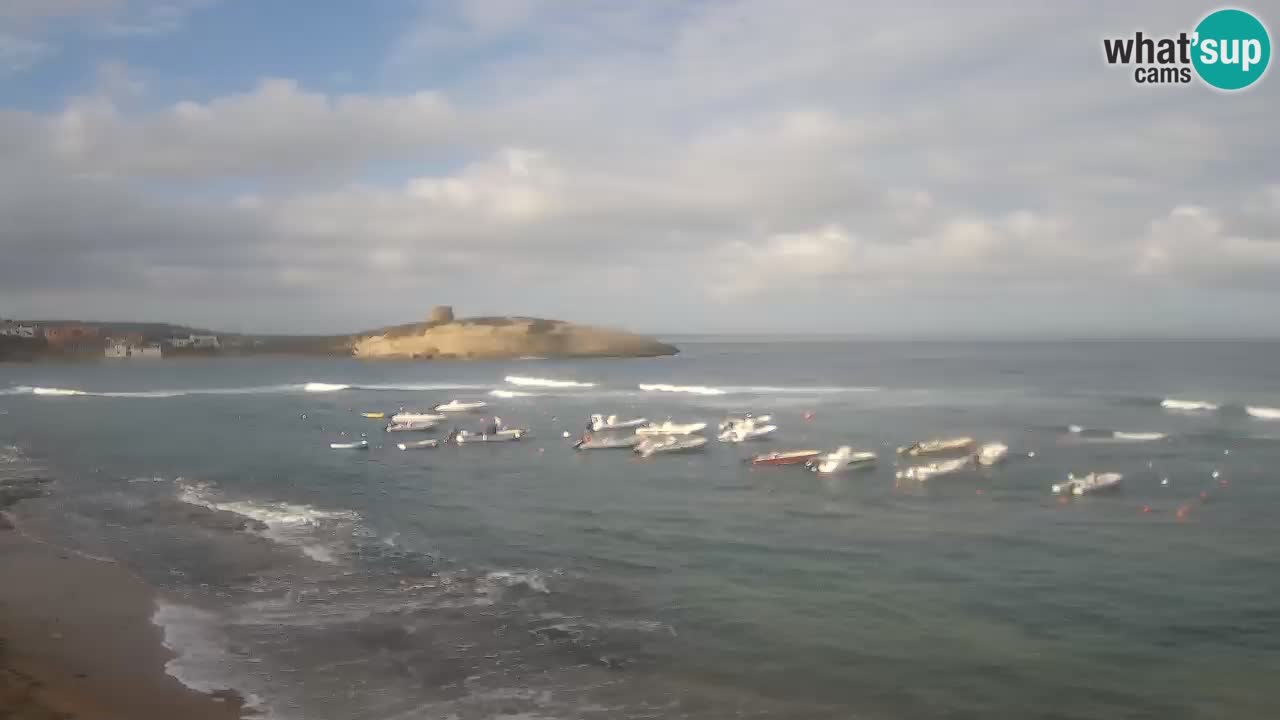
912 169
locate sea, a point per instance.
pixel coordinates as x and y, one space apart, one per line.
527 580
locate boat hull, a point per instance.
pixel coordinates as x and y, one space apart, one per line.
792 458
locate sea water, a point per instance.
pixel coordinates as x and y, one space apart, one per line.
529 580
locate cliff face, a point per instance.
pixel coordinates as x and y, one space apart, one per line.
503 338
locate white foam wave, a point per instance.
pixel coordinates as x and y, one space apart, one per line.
200 660
55 391
690 389
510 393
796 390
286 523
319 387
531 579
1075 429
1187 405
420 387
1138 436
523 381
1263 413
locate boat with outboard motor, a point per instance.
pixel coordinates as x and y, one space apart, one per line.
942 467
606 442
356 445
787 457
411 427
931 447
672 428
419 445
669 444
746 430
613 422
1089 484
464 437
416 417
992 453
842 458
733 420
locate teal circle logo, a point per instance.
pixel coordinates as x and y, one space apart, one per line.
1232 49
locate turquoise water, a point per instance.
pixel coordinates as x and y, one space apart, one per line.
528 580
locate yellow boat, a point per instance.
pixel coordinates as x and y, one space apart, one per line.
374 415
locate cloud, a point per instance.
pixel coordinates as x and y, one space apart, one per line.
682 161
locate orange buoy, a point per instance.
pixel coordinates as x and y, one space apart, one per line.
1146 509
808 415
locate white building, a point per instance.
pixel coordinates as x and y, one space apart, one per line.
180 342
122 349
204 341
18 330
116 349
148 351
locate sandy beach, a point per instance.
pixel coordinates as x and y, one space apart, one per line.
77 642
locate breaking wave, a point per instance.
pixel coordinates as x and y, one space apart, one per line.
56 392
510 393
1114 435
1138 436
690 389
319 387
530 579
1263 413
523 381
796 390
285 523
200 659
1188 405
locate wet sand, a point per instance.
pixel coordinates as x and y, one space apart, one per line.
77 642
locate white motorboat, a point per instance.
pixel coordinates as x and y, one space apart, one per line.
942 467
606 442
930 447
613 422
669 444
415 417
419 445
733 420
1091 483
456 406
357 445
992 454
672 428
411 426
842 458
744 431
463 437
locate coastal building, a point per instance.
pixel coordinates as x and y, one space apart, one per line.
124 349
209 342
116 349
152 351
21 330
179 342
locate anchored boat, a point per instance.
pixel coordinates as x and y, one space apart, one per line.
456 406
613 422
416 417
790 457
1089 484
463 437
672 428
992 454
842 458
748 430
358 445
930 447
419 445
925 472
411 426
606 442
669 444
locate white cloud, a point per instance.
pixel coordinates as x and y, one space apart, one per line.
684 159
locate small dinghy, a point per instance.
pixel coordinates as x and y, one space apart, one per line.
357 445
672 428
669 444
842 458
373 415
790 457
992 454
613 422
922 473
732 420
930 447
745 431
606 442
1091 483
411 426
419 445
416 417
464 437
456 406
